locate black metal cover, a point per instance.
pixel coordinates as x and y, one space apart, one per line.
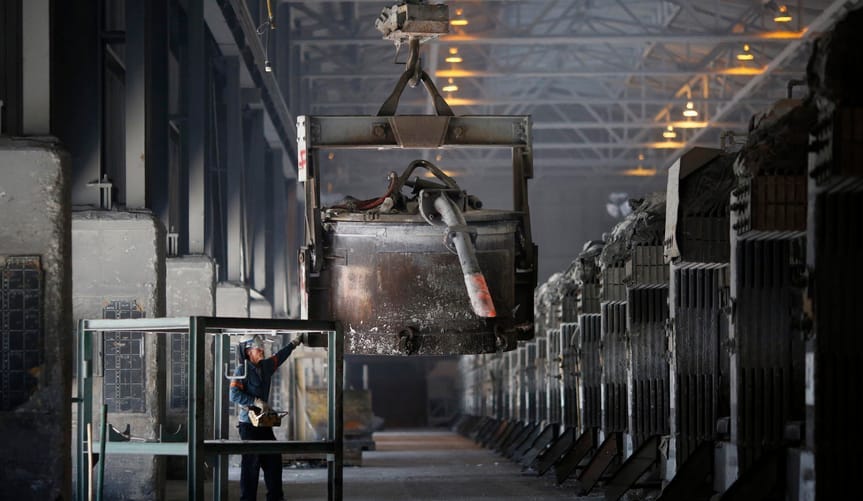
647 308
614 362
837 348
769 347
701 362
590 370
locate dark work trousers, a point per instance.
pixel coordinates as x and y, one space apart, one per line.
252 463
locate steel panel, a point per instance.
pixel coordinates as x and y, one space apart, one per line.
769 349
614 362
701 363
647 310
590 371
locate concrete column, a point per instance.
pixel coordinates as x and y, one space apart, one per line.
196 106
236 245
10 60
190 286
259 307
146 102
282 257
36 349
119 272
135 112
268 219
255 198
36 70
232 300
76 101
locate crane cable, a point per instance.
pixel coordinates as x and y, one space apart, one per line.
270 14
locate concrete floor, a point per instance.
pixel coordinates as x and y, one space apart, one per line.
421 465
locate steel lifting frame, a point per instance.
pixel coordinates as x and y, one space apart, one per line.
196 448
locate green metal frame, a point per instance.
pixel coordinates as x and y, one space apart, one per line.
197 448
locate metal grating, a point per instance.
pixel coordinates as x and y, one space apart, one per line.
553 375
837 145
569 370
701 363
613 287
589 298
613 353
20 328
838 352
179 371
769 350
590 370
531 406
646 265
124 379
648 310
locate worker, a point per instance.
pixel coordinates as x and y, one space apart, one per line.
253 391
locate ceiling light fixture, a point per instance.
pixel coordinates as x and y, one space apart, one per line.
453 56
640 172
745 55
460 21
782 15
669 132
451 87
688 124
690 110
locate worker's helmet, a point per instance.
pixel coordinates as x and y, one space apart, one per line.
255 341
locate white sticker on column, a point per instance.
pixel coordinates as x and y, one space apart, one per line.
302 155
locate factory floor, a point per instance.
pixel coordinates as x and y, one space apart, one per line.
420 465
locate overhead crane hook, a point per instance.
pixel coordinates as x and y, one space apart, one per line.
413 22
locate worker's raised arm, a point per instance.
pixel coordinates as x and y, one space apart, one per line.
283 354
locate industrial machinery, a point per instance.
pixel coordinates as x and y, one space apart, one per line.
423 268
724 349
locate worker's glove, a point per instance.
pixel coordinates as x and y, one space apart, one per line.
260 404
300 339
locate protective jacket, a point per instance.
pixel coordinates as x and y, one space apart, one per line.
257 381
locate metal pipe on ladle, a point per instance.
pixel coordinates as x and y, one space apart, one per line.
474 280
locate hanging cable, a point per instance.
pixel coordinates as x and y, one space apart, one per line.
263 34
270 14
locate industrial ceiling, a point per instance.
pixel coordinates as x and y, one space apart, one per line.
606 82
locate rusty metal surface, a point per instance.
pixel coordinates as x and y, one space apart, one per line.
398 290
